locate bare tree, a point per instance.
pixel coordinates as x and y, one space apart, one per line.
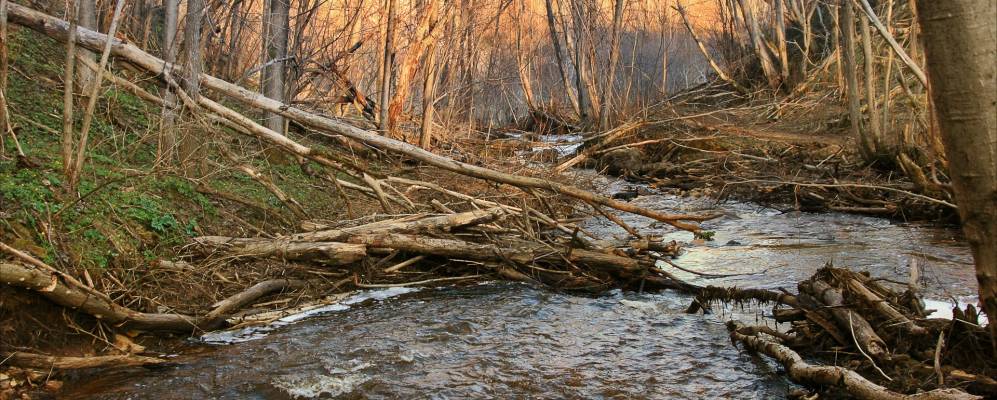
387 62
960 40
193 65
424 37
167 132
614 60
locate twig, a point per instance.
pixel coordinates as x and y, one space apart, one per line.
850 327
390 285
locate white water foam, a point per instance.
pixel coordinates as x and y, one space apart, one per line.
259 332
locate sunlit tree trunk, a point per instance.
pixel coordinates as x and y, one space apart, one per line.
960 40
614 59
424 38
387 63
428 97
758 44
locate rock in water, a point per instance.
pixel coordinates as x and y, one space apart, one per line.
621 161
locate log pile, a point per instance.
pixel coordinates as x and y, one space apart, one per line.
485 241
862 325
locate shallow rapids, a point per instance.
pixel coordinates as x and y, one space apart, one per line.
504 340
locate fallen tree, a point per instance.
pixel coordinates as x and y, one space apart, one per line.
59 29
69 295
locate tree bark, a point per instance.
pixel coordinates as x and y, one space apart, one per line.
614 59
560 57
189 144
387 65
86 17
960 40
847 25
167 144
276 20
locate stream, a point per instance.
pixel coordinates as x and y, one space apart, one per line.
510 340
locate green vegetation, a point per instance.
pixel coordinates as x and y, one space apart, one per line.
127 212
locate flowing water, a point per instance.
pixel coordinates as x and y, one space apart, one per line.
505 340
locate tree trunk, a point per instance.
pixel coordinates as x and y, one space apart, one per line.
559 56
167 130
387 64
428 98
86 17
758 44
874 131
274 57
68 137
960 40
189 145
847 25
614 59
779 9
424 36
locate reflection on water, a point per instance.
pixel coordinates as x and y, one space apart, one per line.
789 247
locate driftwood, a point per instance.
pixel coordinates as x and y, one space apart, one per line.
848 320
43 362
327 253
414 224
522 253
822 375
67 295
840 309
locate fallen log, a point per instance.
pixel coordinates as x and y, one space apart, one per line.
441 223
892 316
52 288
58 29
821 375
848 320
519 253
43 362
328 253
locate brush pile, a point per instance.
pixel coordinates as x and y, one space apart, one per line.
877 340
